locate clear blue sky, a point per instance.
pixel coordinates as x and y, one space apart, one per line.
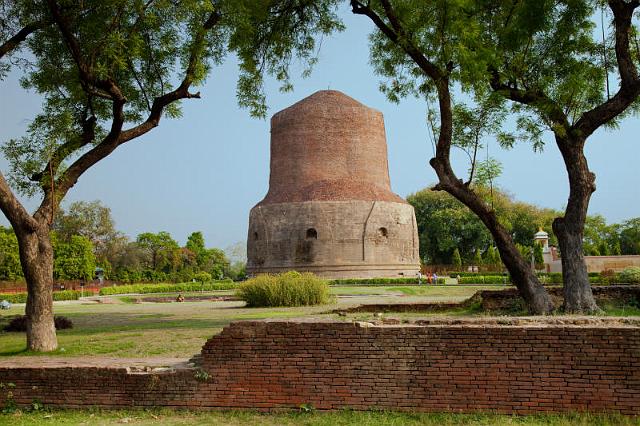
205 171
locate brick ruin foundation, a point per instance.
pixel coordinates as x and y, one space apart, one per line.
535 367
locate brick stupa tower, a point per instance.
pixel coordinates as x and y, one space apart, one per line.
330 209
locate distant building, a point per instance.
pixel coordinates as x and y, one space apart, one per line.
553 263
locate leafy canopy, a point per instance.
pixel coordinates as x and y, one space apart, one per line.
147 49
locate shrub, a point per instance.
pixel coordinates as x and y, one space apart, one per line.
455 274
167 288
485 279
19 323
630 275
57 295
287 289
202 277
382 281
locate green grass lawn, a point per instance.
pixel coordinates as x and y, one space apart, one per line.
241 418
125 329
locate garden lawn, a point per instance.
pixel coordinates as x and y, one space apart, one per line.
143 330
241 418
121 328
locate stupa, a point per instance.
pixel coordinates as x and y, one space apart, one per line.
330 209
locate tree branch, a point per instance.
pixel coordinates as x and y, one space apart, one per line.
18 216
532 97
181 92
104 88
629 80
397 35
21 36
117 136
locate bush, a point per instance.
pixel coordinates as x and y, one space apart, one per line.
287 289
57 295
630 275
381 281
485 279
167 288
202 277
462 274
19 323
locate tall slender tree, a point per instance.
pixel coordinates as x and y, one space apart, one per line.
424 48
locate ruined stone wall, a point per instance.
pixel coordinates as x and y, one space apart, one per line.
334 239
334 365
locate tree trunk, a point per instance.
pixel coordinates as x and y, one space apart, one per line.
528 284
36 258
578 297
532 291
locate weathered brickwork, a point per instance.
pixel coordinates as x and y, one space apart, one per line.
330 209
465 368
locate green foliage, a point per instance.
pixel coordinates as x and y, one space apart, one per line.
147 52
381 281
629 233
538 255
456 259
57 296
492 257
630 275
286 289
485 279
10 269
445 224
202 277
91 220
73 260
477 258
167 288
455 274
159 248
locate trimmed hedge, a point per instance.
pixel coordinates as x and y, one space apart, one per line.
57 296
476 274
485 279
287 289
167 288
382 281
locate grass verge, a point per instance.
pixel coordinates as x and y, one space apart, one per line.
345 417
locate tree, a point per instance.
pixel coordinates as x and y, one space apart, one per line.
195 243
74 259
108 72
629 232
9 257
540 56
546 60
538 259
445 224
423 48
91 220
477 258
159 248
456 259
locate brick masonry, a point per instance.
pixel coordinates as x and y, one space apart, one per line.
330 209
333 365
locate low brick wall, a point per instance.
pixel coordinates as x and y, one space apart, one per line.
332 365
495 300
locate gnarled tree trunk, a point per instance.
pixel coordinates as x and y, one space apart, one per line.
532 291
569 229
36 258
